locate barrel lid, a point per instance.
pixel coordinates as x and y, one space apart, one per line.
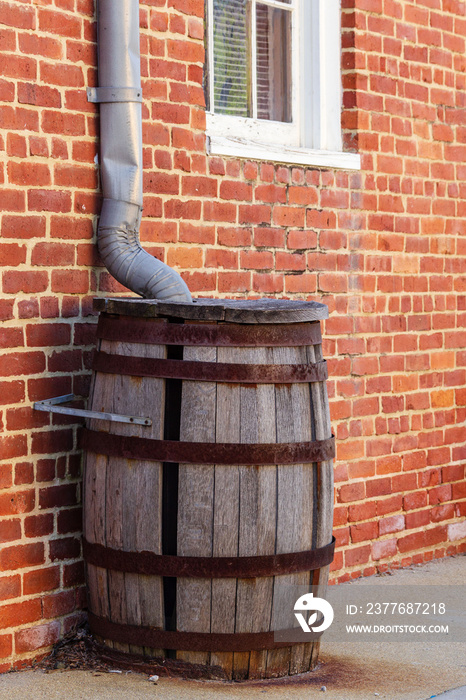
229 310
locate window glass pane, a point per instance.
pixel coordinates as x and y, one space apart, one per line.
273 63
232 81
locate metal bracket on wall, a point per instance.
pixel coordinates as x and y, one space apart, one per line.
54 406
109 94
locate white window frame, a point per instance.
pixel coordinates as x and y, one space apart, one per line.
314 137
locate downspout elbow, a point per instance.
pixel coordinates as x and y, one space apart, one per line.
128 262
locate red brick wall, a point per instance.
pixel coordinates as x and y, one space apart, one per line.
385 248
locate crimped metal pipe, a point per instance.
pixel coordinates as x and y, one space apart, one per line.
121 161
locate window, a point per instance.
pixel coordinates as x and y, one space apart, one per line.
273 81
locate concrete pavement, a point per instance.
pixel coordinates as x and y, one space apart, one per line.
400 670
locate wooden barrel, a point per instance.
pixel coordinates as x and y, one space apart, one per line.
194 523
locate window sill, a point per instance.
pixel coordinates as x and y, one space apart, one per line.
222 146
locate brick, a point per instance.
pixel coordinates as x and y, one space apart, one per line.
6 309
417 519
6 646
333 282
266 283
290 261
229 282
389 505
59 604
11 337
69 520
200 281
10 587
440 494
10 530
77 51
19 16
57 496
37 637
219 212
14 66
231 189
27 282
65 361
412 542
226 259
66 227
15 614
73 574
183 50
378 487
75 176
458 491
41 580
445 512
177 209
21 556
61 23
256 260
45 470
457 531
24 472
301 284
352 492
383 549
52 441
414 500
66 548
395 523
23 226
357 555
71 281
43 388
29 174
362 511
185 257
342 536
351 449
12 446
436 535
46 334
364 531
63 123
12 392
288 216
6 476
38 525
196 234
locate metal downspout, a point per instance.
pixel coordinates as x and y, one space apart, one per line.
120 99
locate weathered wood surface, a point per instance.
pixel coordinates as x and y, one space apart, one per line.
295 499
249 311
196 504
257 522
226 509
94 500
123 497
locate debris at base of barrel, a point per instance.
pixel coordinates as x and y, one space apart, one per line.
79 650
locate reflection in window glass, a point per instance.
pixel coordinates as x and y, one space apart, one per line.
232 82
273 63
